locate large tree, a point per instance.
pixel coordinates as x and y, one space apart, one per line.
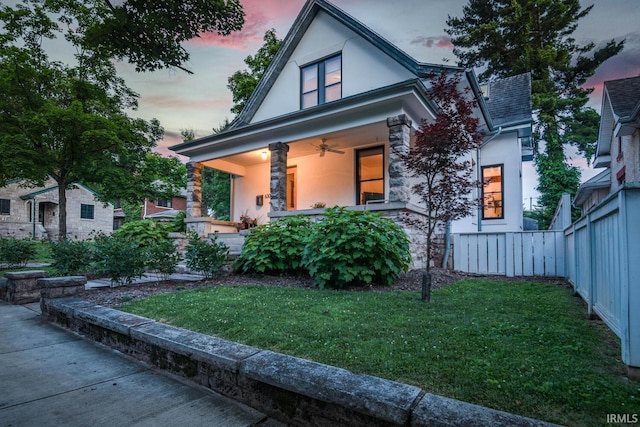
509 37
68 121
242 83
440 159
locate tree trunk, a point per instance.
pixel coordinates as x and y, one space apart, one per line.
62 211
426 284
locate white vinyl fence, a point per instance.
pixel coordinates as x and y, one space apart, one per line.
528 253
603 265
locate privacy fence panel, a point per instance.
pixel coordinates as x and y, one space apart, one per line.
530 253
603 265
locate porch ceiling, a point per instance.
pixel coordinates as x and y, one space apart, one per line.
344 139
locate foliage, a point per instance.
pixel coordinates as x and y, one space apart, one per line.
216 193
243 83
17 252
437 159
177 224
275 247
355 247
525 348
72 257
119 258
163 257
142 232
206 256
151 34
508 37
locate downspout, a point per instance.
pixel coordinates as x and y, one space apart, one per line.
493 136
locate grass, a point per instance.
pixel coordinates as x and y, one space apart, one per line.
525 348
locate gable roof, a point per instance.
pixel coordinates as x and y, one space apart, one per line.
309 11
619 116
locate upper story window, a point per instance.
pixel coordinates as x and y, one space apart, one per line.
5 207
321 82
492 192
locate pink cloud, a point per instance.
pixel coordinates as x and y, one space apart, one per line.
184 103
260 16
443 42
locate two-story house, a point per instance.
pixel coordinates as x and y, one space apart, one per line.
618 147
330 117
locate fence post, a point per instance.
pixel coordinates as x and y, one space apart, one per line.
629 234
592 260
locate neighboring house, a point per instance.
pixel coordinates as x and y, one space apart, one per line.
329 118
165 209
618 147
33 212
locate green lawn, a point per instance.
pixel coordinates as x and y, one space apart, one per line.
525 348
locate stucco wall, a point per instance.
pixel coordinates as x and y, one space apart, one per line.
325 37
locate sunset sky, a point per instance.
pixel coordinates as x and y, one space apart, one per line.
202 101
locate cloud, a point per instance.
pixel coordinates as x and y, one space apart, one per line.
260 16
443 41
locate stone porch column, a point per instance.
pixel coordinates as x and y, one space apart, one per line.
278 176
194 189
399 139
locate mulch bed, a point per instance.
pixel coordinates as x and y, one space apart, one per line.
410 281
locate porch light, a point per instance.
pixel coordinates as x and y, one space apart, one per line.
264 155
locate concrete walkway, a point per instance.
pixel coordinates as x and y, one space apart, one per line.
147 278
49 376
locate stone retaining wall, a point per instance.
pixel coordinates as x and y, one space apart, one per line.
296 391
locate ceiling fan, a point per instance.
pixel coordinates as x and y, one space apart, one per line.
324 147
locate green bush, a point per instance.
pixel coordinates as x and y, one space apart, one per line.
178 225
71 257
142 232
206 257
17 252
355 248
163 257
119 258
275 247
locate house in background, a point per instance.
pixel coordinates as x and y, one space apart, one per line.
329 119
33 212
618 147
165 209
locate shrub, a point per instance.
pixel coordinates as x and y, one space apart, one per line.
17 252
71 257
275 247
355 247
178 225
206 257
119 258
163 257
142 232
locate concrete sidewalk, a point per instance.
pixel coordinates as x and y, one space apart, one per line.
49 376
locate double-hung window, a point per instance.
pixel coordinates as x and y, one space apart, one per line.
321 82
86 211
5 207
493 192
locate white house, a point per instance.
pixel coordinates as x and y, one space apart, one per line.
618 147
329 117
33 212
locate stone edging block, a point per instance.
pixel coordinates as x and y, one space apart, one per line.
237 370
